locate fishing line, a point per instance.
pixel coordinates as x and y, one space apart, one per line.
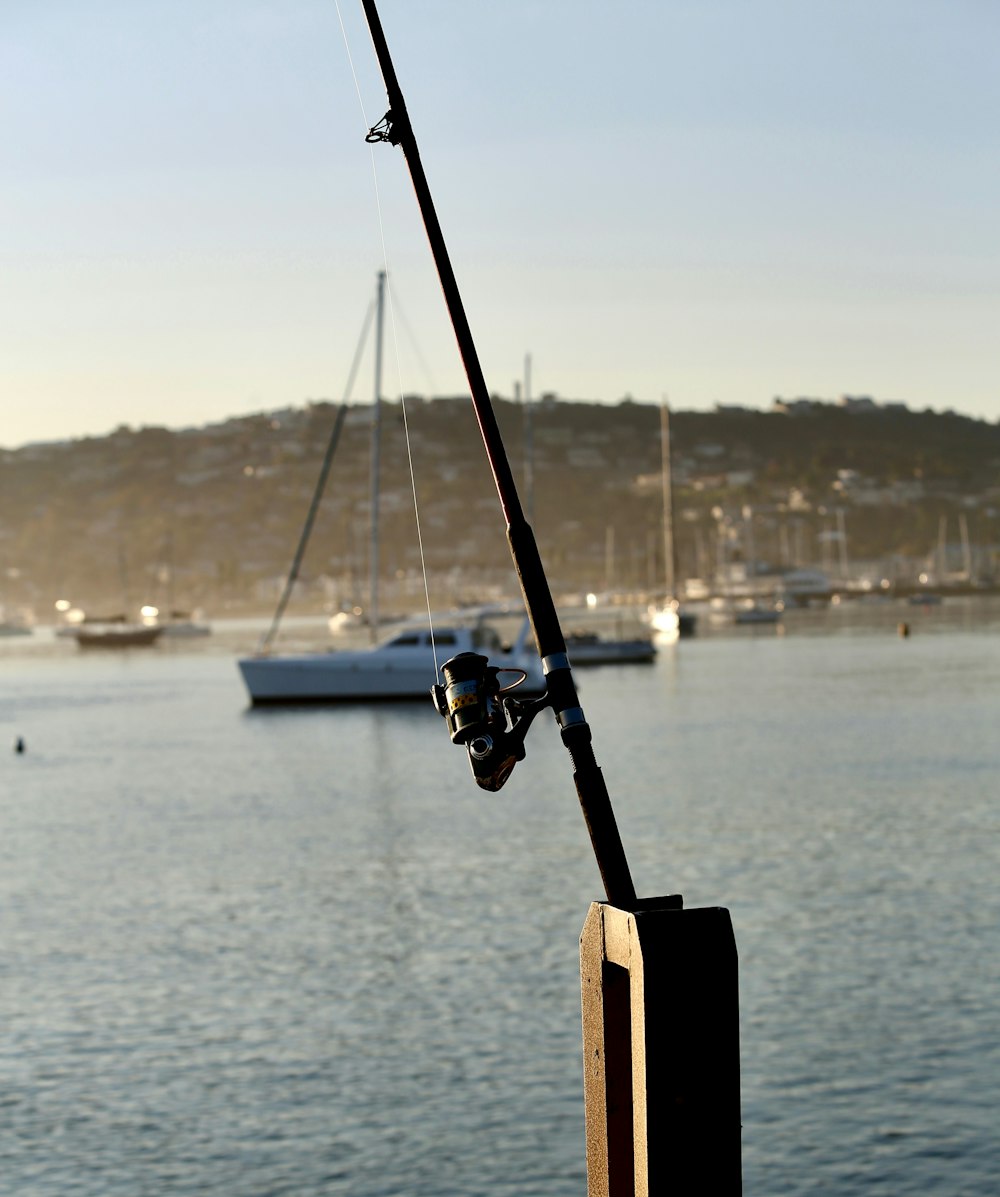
413 476
395 342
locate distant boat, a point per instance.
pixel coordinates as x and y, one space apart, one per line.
671 620
117 635
668 618
15 627
588 648
402 667
925 599
69 629
756 612
114 631
806 586
182 625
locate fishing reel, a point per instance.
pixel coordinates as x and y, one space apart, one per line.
484 716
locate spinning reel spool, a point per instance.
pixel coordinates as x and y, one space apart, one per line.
484 716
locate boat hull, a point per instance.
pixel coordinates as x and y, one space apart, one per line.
117 637
669 620
757 615
319 678
592 650
403 669
185 630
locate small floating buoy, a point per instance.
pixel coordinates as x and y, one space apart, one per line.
19 744
904 630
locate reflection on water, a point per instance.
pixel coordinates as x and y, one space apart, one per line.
299 952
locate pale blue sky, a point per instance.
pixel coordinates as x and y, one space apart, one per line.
722 200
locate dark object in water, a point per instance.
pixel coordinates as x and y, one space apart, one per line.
587 648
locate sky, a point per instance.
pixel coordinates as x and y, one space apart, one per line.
718 201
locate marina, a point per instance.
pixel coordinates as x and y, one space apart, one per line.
262 934
260 951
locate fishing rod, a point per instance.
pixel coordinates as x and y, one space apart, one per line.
489 722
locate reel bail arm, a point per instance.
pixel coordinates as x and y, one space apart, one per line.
490 722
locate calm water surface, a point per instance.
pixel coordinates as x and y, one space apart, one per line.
297 952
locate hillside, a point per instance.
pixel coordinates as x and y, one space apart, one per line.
211 515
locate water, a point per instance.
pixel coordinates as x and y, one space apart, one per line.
297 952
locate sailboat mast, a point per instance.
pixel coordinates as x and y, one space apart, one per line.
666 481
123 574
376 462
942 549
963 527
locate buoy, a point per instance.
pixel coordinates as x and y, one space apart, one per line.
904 630
19 744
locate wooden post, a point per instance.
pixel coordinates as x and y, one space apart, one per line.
661 1051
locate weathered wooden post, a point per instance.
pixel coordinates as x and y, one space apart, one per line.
660 1050
660 1008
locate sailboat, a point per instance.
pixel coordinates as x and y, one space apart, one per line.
116 631
405 665
668 618
402 667
177 624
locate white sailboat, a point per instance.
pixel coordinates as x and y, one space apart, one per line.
405 665
668 619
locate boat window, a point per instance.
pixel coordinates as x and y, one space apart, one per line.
406 640
446 638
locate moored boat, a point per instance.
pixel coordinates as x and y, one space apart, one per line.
670 620
15 627
667 618
183 626
588 648
756 613
117 635
402 667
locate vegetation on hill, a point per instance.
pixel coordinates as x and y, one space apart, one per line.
211 516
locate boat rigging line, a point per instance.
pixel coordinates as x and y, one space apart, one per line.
268 639
293 573
491 727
